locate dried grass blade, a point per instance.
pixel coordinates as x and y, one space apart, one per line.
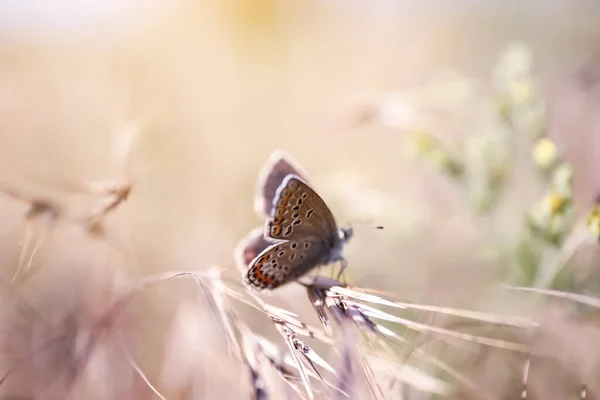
260 353
223 311
578 298
315 357
385 332
348 351
337 291
33 242
251 356
288 337
298 327
136 367
501 344
317 299
303 350
371 381
518 322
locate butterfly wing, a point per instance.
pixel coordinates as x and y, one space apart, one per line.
298 212
286 261
279 165
249 247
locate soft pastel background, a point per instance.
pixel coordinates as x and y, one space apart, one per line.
215 87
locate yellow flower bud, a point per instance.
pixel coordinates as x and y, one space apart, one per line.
545 153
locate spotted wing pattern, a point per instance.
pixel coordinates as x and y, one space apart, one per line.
279 165
249 247
299 212
286 261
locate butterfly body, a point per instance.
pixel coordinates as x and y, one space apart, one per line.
302 234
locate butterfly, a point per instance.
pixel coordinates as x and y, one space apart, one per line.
278 166
300 232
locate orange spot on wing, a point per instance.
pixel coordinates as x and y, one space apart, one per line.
275 230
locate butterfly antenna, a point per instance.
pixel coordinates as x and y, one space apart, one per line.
366 226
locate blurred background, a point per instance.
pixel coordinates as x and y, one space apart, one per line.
356 92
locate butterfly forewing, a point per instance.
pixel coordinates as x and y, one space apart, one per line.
286 261
299 212
279 165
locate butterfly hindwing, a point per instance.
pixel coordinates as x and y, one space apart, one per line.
249 247
286 261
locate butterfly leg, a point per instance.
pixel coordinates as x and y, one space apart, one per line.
316 276
343 265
